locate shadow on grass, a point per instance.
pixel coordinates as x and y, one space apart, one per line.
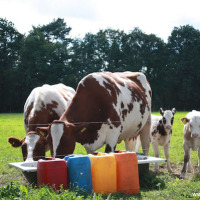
152 181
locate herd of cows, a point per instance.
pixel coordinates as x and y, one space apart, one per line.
106 108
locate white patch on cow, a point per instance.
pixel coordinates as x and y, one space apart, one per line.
31 141
145 85
57 131
168 116
105 136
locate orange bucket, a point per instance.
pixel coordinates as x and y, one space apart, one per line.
127 172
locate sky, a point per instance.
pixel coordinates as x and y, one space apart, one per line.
157 17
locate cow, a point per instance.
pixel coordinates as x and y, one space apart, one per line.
191 133
43 105
106 108
160 134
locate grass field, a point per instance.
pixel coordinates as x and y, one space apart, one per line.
155 186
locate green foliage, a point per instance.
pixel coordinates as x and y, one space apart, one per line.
10 191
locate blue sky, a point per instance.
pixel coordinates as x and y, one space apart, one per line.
151 16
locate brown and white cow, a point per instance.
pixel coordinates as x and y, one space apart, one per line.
161 131
191 133
43 105
107 108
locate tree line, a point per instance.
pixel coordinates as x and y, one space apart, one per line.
47 55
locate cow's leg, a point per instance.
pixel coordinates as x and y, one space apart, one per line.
138 143
189 166
145 136
199 159
130 144
156 154
166 150
186 159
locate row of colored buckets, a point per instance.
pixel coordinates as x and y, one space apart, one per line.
101 173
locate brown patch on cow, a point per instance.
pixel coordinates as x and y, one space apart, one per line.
122 105
27 113
24 151
130 107
124 113
160 129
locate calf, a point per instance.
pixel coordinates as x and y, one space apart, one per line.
191 133
161 131
107 108
43 105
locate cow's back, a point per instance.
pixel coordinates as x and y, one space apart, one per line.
45 104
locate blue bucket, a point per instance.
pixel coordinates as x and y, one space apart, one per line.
79 172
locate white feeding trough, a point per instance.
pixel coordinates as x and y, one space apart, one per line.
29 169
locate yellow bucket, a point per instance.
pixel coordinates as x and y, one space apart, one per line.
104 178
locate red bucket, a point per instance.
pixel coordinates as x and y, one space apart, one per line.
52 173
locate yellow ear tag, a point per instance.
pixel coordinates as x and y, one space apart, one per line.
42 133
83 130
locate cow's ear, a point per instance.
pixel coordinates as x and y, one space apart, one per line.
173 111
15 142
161 111
42 131
185 120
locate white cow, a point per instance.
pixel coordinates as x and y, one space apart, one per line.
191 133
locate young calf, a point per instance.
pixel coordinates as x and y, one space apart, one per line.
191 134
161 131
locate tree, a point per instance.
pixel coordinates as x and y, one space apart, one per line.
10 45
45 56
184 47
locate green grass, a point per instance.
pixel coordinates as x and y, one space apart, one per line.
153 186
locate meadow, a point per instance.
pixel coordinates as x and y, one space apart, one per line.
163 185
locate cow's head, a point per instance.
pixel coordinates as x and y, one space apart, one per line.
167 118
60 138
193 125
33 146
